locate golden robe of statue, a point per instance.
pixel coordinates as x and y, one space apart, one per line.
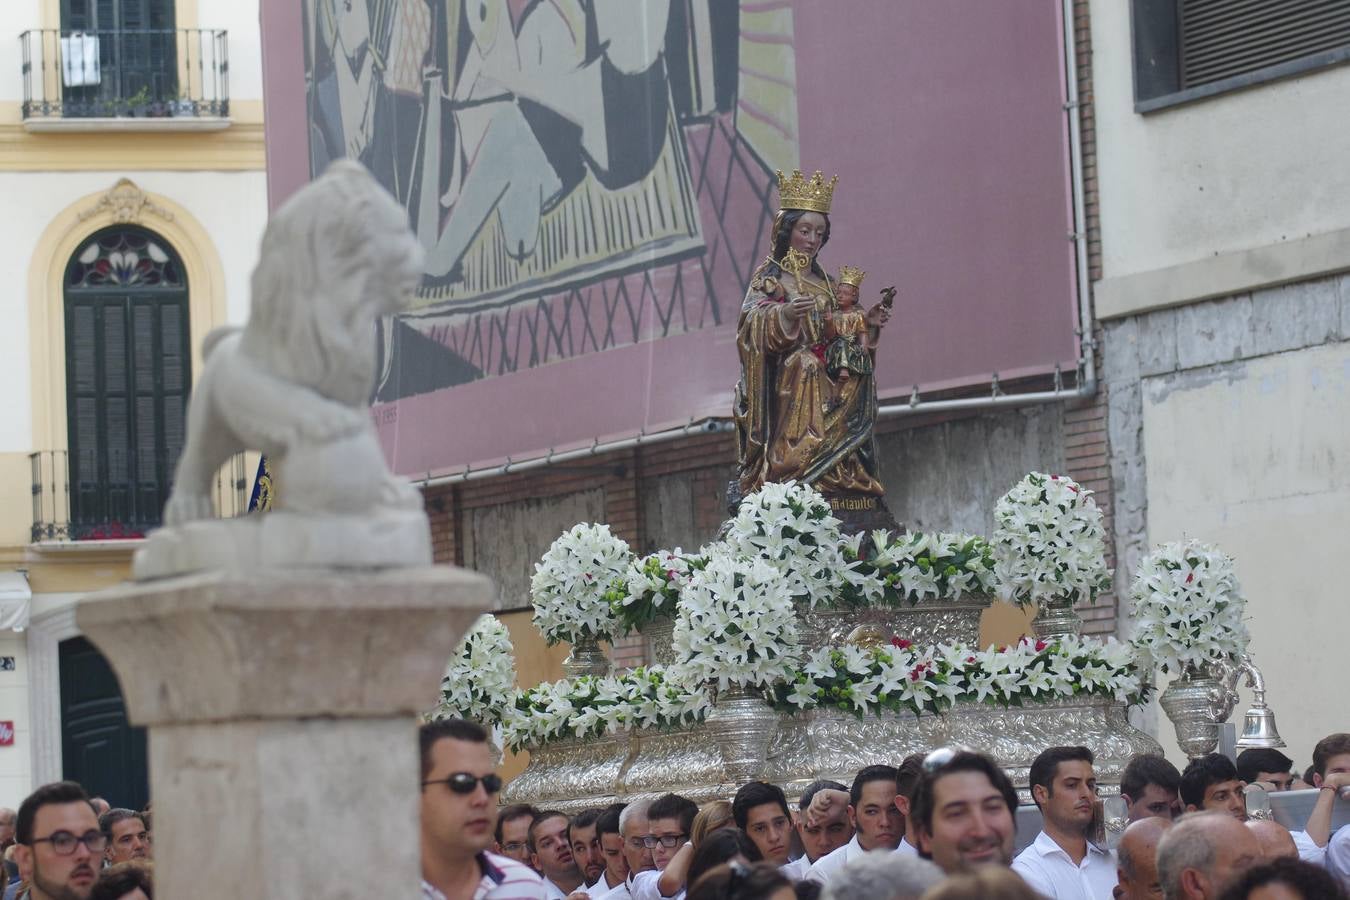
793 421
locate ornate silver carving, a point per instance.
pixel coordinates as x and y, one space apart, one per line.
564 771
743 724
929 621
586 658
682 760
1197 703
1056 618
660 635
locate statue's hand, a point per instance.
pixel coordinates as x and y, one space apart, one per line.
800 307
878 315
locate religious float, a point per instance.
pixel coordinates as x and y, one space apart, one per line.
816 635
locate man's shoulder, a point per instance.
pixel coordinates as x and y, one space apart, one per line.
824 867
507 879
1031 860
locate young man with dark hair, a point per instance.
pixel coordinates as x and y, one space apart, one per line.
1331 776
551 854
876 819
1266 766
669 821
964 809
1150 787
128 838
459 812
761 811
1211 782
585 840
611 849
906 780
58 844
513 832
823 835
1062 862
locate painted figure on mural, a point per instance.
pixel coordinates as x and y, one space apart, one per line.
795 421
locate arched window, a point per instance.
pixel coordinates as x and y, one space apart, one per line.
128 375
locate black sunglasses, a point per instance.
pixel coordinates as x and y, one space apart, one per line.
464 783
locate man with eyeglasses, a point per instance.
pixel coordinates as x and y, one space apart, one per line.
670 819
964 808
58 842
128 838
513 832
458 811
633 827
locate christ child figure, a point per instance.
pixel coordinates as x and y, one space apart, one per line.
849 352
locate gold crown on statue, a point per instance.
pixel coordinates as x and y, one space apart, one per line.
851 275
798 192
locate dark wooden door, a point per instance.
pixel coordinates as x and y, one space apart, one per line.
99 748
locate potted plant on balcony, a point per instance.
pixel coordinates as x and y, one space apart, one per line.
138 104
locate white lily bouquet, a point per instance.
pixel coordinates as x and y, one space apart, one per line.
577 582
1049 543
789 527
909 568
736 624
1188 607
480 681
653 587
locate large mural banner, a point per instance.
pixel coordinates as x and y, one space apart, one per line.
593 183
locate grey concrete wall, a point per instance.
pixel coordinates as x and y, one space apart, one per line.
949 476
505 541
1190 346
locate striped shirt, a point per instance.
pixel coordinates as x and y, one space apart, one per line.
503 879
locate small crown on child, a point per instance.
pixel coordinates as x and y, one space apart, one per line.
851 275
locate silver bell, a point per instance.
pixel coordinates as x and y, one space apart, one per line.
1258 729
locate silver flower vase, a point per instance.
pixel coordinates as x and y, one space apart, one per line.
1056 618
743 724
1198 702
660 635
586 658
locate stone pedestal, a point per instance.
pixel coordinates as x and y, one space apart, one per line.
282 712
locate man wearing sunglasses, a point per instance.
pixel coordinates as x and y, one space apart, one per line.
459 810
59 844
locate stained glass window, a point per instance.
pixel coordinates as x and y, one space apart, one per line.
124 257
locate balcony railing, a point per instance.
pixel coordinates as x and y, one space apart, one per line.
178 73
110 507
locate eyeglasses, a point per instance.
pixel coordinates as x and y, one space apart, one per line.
514 846
63 842
665 840
464 783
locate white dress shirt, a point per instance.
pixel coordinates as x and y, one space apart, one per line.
602 885
907 848
553 892
618 892
1308 851
825 867
1338 856
796 869
1048 870
644 887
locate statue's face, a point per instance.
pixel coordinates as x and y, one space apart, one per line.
808 234
847 295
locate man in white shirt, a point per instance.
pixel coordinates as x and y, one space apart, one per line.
633 829
608 832
906 782
458 812
963 811
585 842
551 855
876 820
1062 864
669 820
1331 776
1150 787
821 835
761 811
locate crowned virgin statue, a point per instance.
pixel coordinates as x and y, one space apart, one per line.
806 403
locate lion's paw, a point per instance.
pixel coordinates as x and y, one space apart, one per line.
327 422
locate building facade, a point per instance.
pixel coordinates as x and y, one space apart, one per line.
132 170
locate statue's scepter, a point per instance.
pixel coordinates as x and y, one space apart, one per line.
796 262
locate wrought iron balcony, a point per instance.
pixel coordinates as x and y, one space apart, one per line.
146 78
119 499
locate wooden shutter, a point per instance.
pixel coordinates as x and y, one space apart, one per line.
1223 38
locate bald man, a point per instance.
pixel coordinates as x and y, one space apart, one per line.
1137 860
1274 838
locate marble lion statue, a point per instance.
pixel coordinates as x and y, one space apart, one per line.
295 381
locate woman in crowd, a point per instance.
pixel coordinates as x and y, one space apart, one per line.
738 881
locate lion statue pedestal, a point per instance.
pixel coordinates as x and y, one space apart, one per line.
295 384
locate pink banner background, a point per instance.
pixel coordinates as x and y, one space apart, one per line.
946 125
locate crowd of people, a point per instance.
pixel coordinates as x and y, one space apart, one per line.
938 826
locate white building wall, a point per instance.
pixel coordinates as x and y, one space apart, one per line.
1238 171
231 206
